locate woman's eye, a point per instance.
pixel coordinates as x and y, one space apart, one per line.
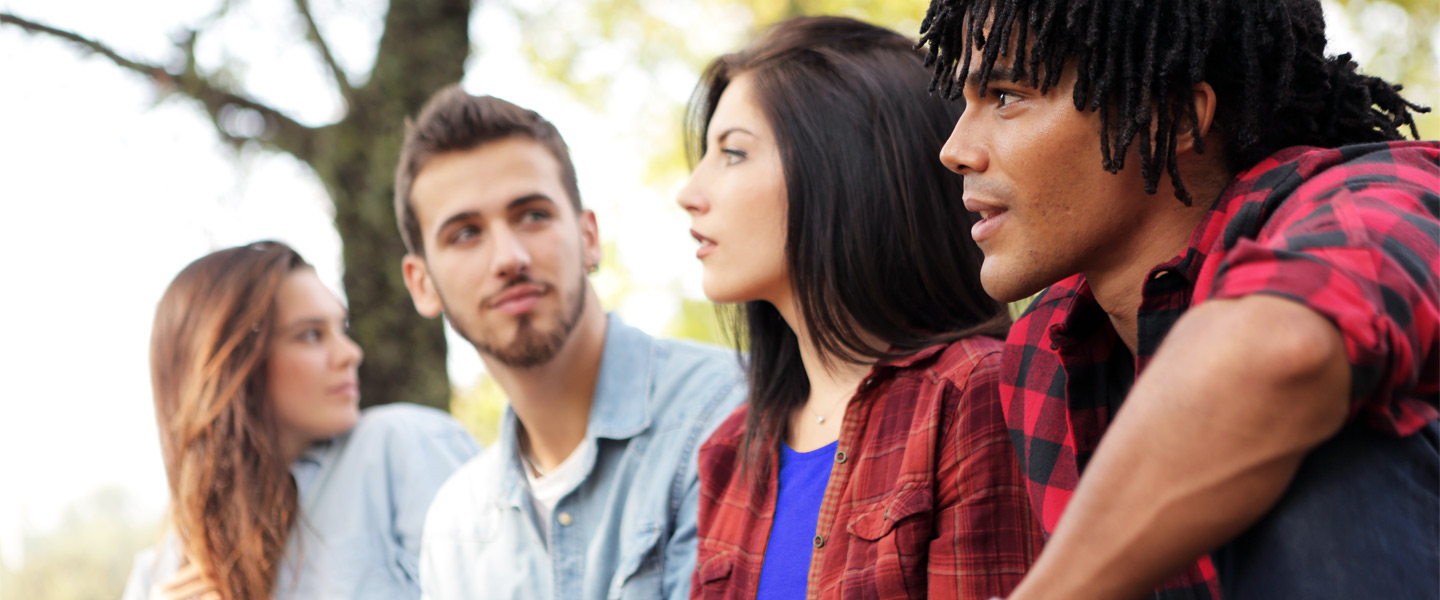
1003 98
310 335
733 155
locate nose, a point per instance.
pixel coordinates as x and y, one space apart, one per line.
690 197
964 152
511 259
349 354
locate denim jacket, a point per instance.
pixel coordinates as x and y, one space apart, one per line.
363 498
628 529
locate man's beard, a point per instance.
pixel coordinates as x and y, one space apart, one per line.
531 347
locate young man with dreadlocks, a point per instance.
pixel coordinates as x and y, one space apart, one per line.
1259 292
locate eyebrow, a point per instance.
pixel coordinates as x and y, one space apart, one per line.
475 214
312 321
998 73
721 138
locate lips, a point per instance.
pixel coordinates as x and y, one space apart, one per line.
517 299
707 245
349 388
992 216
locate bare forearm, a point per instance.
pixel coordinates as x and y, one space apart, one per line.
1207 441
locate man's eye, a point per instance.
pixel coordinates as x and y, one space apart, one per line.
733 155
534 216
464 234
1003 98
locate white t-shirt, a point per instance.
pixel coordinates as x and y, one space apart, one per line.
547 490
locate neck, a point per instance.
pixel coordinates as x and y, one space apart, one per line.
291 447
832 385
552 400
1118 284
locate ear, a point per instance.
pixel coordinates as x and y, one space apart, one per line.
1203 97
422 289
590 238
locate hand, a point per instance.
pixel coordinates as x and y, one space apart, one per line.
188 583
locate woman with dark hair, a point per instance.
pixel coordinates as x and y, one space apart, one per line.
280 486
872 458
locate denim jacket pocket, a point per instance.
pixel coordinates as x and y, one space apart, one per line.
715 577
639 574
891 539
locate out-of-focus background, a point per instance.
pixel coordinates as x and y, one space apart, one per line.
136 137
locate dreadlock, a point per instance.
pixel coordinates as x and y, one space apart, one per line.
1137 61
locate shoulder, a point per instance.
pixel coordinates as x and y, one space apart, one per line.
728 434
962 359
473 485
151 566
403 418
696 383
1333 189
689 364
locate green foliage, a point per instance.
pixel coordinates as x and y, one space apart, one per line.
87 557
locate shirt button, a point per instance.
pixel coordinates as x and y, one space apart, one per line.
840 456
565 519
819 541
869 382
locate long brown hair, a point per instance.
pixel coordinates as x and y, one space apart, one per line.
232 500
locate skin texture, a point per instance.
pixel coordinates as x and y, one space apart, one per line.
311 365
1194 458
1032 166
505 261
497 225
736 199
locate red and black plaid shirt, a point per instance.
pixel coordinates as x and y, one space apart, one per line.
1350 233
925 498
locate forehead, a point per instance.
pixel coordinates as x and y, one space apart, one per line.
737 108
485 179
302 296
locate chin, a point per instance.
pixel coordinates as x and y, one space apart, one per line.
1008 289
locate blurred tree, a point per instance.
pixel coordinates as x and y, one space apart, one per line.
87 557
423 46
633 60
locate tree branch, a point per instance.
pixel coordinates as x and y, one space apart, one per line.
156 73
280 132
341 80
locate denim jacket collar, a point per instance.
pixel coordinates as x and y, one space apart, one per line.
620 409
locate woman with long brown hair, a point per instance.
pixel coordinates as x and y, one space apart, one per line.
280 486
871 459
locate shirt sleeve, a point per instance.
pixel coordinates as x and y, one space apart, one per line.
1357 243
986 534
141 577
420 463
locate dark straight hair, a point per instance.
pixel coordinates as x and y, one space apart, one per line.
877 237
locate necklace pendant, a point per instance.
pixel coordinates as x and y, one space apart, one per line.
820 420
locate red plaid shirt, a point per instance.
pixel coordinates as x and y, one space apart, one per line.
925 498
1350 233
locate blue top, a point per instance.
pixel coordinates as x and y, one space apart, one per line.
363 497
801 488
628 529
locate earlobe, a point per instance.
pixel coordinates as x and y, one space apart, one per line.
1203 98
422 290
590 235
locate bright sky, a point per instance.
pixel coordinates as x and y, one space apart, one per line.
107 193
